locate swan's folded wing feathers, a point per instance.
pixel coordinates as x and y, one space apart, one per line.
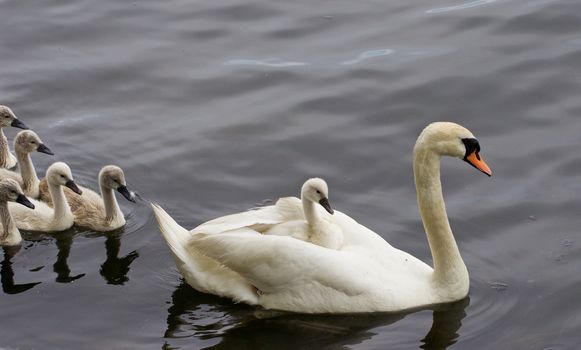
259 218
276 263
290 208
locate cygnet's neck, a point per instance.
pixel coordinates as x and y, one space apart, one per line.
27 171
309 210
449 269
4 150
60 203
112 210
10 234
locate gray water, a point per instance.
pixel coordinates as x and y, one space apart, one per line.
214 107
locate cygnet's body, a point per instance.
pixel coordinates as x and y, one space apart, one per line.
7 118
99 213
310 226
45 218
26 142
10 191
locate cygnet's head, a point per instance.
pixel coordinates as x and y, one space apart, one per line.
60 174
451 139
316 190
111 176
10 191
27 141
7 118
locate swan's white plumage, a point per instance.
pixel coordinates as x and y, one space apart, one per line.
230 257
44 218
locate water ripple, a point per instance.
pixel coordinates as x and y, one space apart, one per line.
461 7
269 62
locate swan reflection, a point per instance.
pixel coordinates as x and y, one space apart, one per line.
206 317
114 270
7 274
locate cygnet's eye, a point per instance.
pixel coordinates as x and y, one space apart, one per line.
14 192
62 176
6 116
319 192
33 142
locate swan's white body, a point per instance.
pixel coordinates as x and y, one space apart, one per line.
44 218
26 142
229 257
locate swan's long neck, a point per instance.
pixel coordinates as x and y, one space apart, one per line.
27 171
449 268
9 230
309 210
61 206
4 150
112 210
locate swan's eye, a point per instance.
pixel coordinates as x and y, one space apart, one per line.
14 192
33 142
319 192
62 176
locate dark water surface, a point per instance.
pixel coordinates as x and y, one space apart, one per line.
212 107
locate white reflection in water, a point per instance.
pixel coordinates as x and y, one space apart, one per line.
74 120
368 54
269 62
461 7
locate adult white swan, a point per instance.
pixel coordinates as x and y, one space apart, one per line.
227 257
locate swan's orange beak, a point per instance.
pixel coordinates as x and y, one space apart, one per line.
476 161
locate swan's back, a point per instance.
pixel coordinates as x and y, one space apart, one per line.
38 219
87 208
9 174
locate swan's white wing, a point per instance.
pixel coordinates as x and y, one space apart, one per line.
276 264
260 218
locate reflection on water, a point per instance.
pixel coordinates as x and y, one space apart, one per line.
7 274
447 320
64 241
114 270
203 316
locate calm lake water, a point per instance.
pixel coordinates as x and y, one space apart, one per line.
214 107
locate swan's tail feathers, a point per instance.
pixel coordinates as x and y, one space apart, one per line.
175 235
201 272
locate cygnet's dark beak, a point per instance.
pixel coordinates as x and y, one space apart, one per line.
24 201
43 149
125 192
325 203
18 124
73 186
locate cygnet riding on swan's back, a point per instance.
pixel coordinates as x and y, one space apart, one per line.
10 191
26 142
230 259
307 224
7 118
89 209
45 218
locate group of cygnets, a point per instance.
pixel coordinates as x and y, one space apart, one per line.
54 203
